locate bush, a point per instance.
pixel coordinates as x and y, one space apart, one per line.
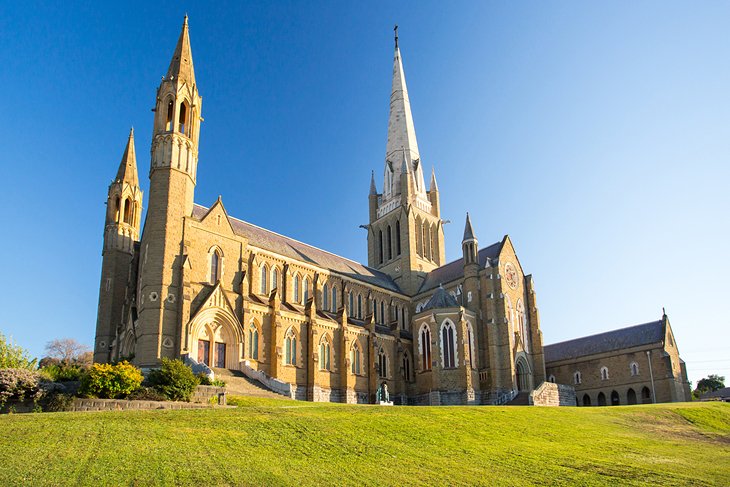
218 383
63 373
174 380
13 356
146 394
203 379
57 402
111 381
18 385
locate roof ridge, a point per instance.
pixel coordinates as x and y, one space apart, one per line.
297 241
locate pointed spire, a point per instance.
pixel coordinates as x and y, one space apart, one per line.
468 230
128 167
401 130
434 186
181 65
373 189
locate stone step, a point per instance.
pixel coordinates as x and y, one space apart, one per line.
237 384
521 399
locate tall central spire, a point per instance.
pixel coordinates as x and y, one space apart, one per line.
181 65
401 130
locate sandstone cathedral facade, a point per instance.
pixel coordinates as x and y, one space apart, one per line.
199 284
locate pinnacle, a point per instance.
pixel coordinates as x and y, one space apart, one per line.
434 185
181 65
128 166
468 230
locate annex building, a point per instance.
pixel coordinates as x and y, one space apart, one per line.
200 284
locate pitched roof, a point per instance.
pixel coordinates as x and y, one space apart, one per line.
633 336
302 252
440 299
454 270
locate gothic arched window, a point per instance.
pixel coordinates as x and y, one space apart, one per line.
470 344
634 367
168 119
325 352
290 348
325 296
334 299
296 288
577 379
355 360
397 237
382 363
406 367
448 344
182 119
264 275
128 211
215 266
359 306
380 246
305 288
390 244
424 340
351 305
604 373
253 342
274 278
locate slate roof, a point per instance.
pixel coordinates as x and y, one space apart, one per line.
632 336
440 299
294 249
455 270
720 394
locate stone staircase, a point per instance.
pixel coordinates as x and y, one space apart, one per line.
521 399
237 384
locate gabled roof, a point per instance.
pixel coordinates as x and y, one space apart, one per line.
293 249
455 270
633 336
441 299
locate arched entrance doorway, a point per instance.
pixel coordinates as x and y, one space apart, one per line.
615 399
586 400
601 399
216 339
522 376
631 396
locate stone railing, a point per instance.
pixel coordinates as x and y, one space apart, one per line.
276 385
198 368
504 397
551 394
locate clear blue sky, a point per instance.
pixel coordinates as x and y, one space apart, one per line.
596 136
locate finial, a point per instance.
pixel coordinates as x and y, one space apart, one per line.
664 311
395 29
185 21
131 132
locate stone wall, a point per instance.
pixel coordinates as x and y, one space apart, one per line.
204 394
83 404
550 394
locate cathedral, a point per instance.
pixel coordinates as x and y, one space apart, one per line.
199 284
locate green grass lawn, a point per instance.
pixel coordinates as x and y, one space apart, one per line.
272 442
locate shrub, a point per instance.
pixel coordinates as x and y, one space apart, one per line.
19 385
13 356
218 383
57 402
147 394
62 372
203 379
174 380
111 381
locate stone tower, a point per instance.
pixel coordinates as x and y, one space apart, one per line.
121 231
405 235
173 169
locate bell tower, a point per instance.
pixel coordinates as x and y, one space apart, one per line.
405 235
121 231
173 171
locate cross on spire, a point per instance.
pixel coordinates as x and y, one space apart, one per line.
395 29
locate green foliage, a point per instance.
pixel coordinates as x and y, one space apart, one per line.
111 381
710 383
174 380
63 372
19 385
13 356
145 393
57 402
218 383
203 379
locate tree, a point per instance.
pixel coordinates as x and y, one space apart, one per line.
13 356
67 350
710 383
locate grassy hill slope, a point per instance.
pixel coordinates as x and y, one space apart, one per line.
265 442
